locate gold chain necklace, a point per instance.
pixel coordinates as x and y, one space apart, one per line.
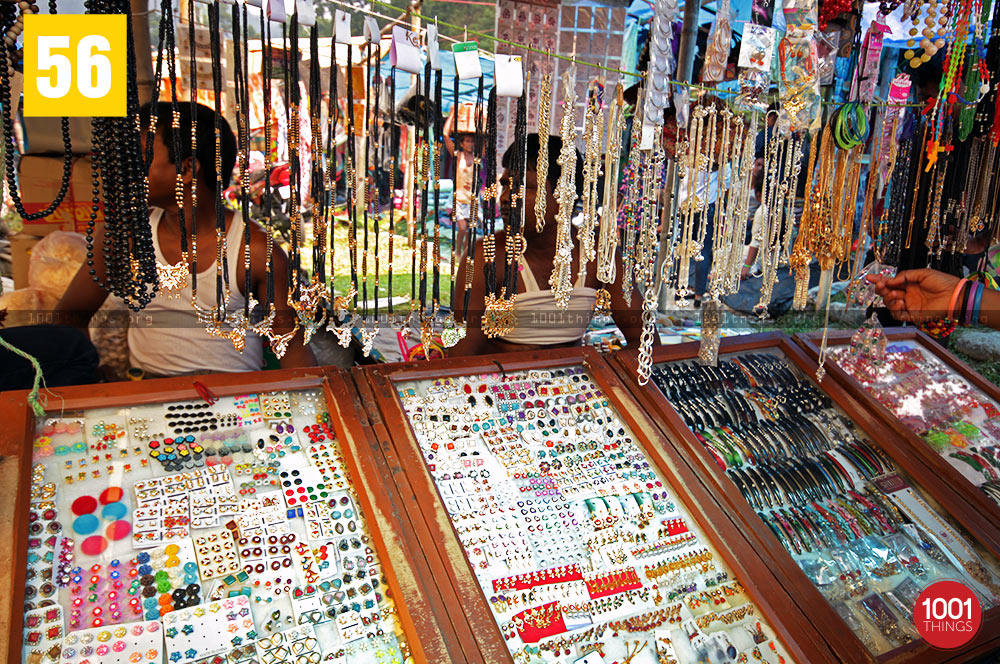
560 281
607 241
542 166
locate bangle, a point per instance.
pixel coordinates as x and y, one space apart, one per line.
977 302
954 298
973 289
748 265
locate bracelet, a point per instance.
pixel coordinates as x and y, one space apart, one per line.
954 298
977 302
973 289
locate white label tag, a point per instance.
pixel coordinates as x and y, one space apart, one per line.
508 75
306 12
342 27
276 11
372 32
404 53
467 60
647 137
433 49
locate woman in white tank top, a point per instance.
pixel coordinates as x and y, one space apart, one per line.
174 341
167 338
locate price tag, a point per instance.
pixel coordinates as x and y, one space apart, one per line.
74 65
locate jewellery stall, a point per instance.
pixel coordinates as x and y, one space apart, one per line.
565 523
946 411
856 522
242 516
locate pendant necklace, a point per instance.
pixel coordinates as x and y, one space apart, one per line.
646 268
514 225
494 322
692 165
262 327
425 320
341 304
371 192
352 182
801 255
560 281
174 277
438 151
544 129
593 136
452 332
470 253
394 149
607 239
631 215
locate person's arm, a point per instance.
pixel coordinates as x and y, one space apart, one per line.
749 261
83 296
297 354
915 296
449 126
475 342
628 317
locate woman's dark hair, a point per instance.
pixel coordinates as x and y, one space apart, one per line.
555 170
205 154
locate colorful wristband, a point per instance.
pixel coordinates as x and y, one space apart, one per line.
954 298
967 311
978 301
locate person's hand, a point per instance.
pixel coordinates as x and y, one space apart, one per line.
744 272
916 296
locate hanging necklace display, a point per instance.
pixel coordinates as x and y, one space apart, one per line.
118 167
263 327
369 193
11 25
561 279
607 237
645 268
426 175
544 130
308 301
798 82
695 168
470 252
516 243
496 319
172 278
630 209
593 135
452 332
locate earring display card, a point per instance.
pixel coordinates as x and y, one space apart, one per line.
217 554
206 630
567 525
206 518
163 506
846 515
115 644
298 644
44 630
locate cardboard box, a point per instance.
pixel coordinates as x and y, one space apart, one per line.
39 179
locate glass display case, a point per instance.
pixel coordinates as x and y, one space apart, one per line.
865 528
567 530
929 396
225 520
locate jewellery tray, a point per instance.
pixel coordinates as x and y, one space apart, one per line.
422 612
837 635
430 521
913 444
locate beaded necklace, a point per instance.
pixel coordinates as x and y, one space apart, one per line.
11 22
607 241
130 258
470 253
263 327
452 332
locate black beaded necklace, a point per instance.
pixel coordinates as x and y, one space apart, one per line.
438 148
222 285
8 56
243 137
118 165
394 149
267 196
470 254
513 224
492 193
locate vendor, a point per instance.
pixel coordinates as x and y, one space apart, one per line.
462 149
175 341
540 324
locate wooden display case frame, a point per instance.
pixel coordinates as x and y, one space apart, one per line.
916 445
839 637
800 637
418 605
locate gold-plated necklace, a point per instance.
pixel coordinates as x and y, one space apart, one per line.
544 128
607 241
561 280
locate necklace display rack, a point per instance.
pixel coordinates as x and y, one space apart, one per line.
53 496
833 485
580 565
952 429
